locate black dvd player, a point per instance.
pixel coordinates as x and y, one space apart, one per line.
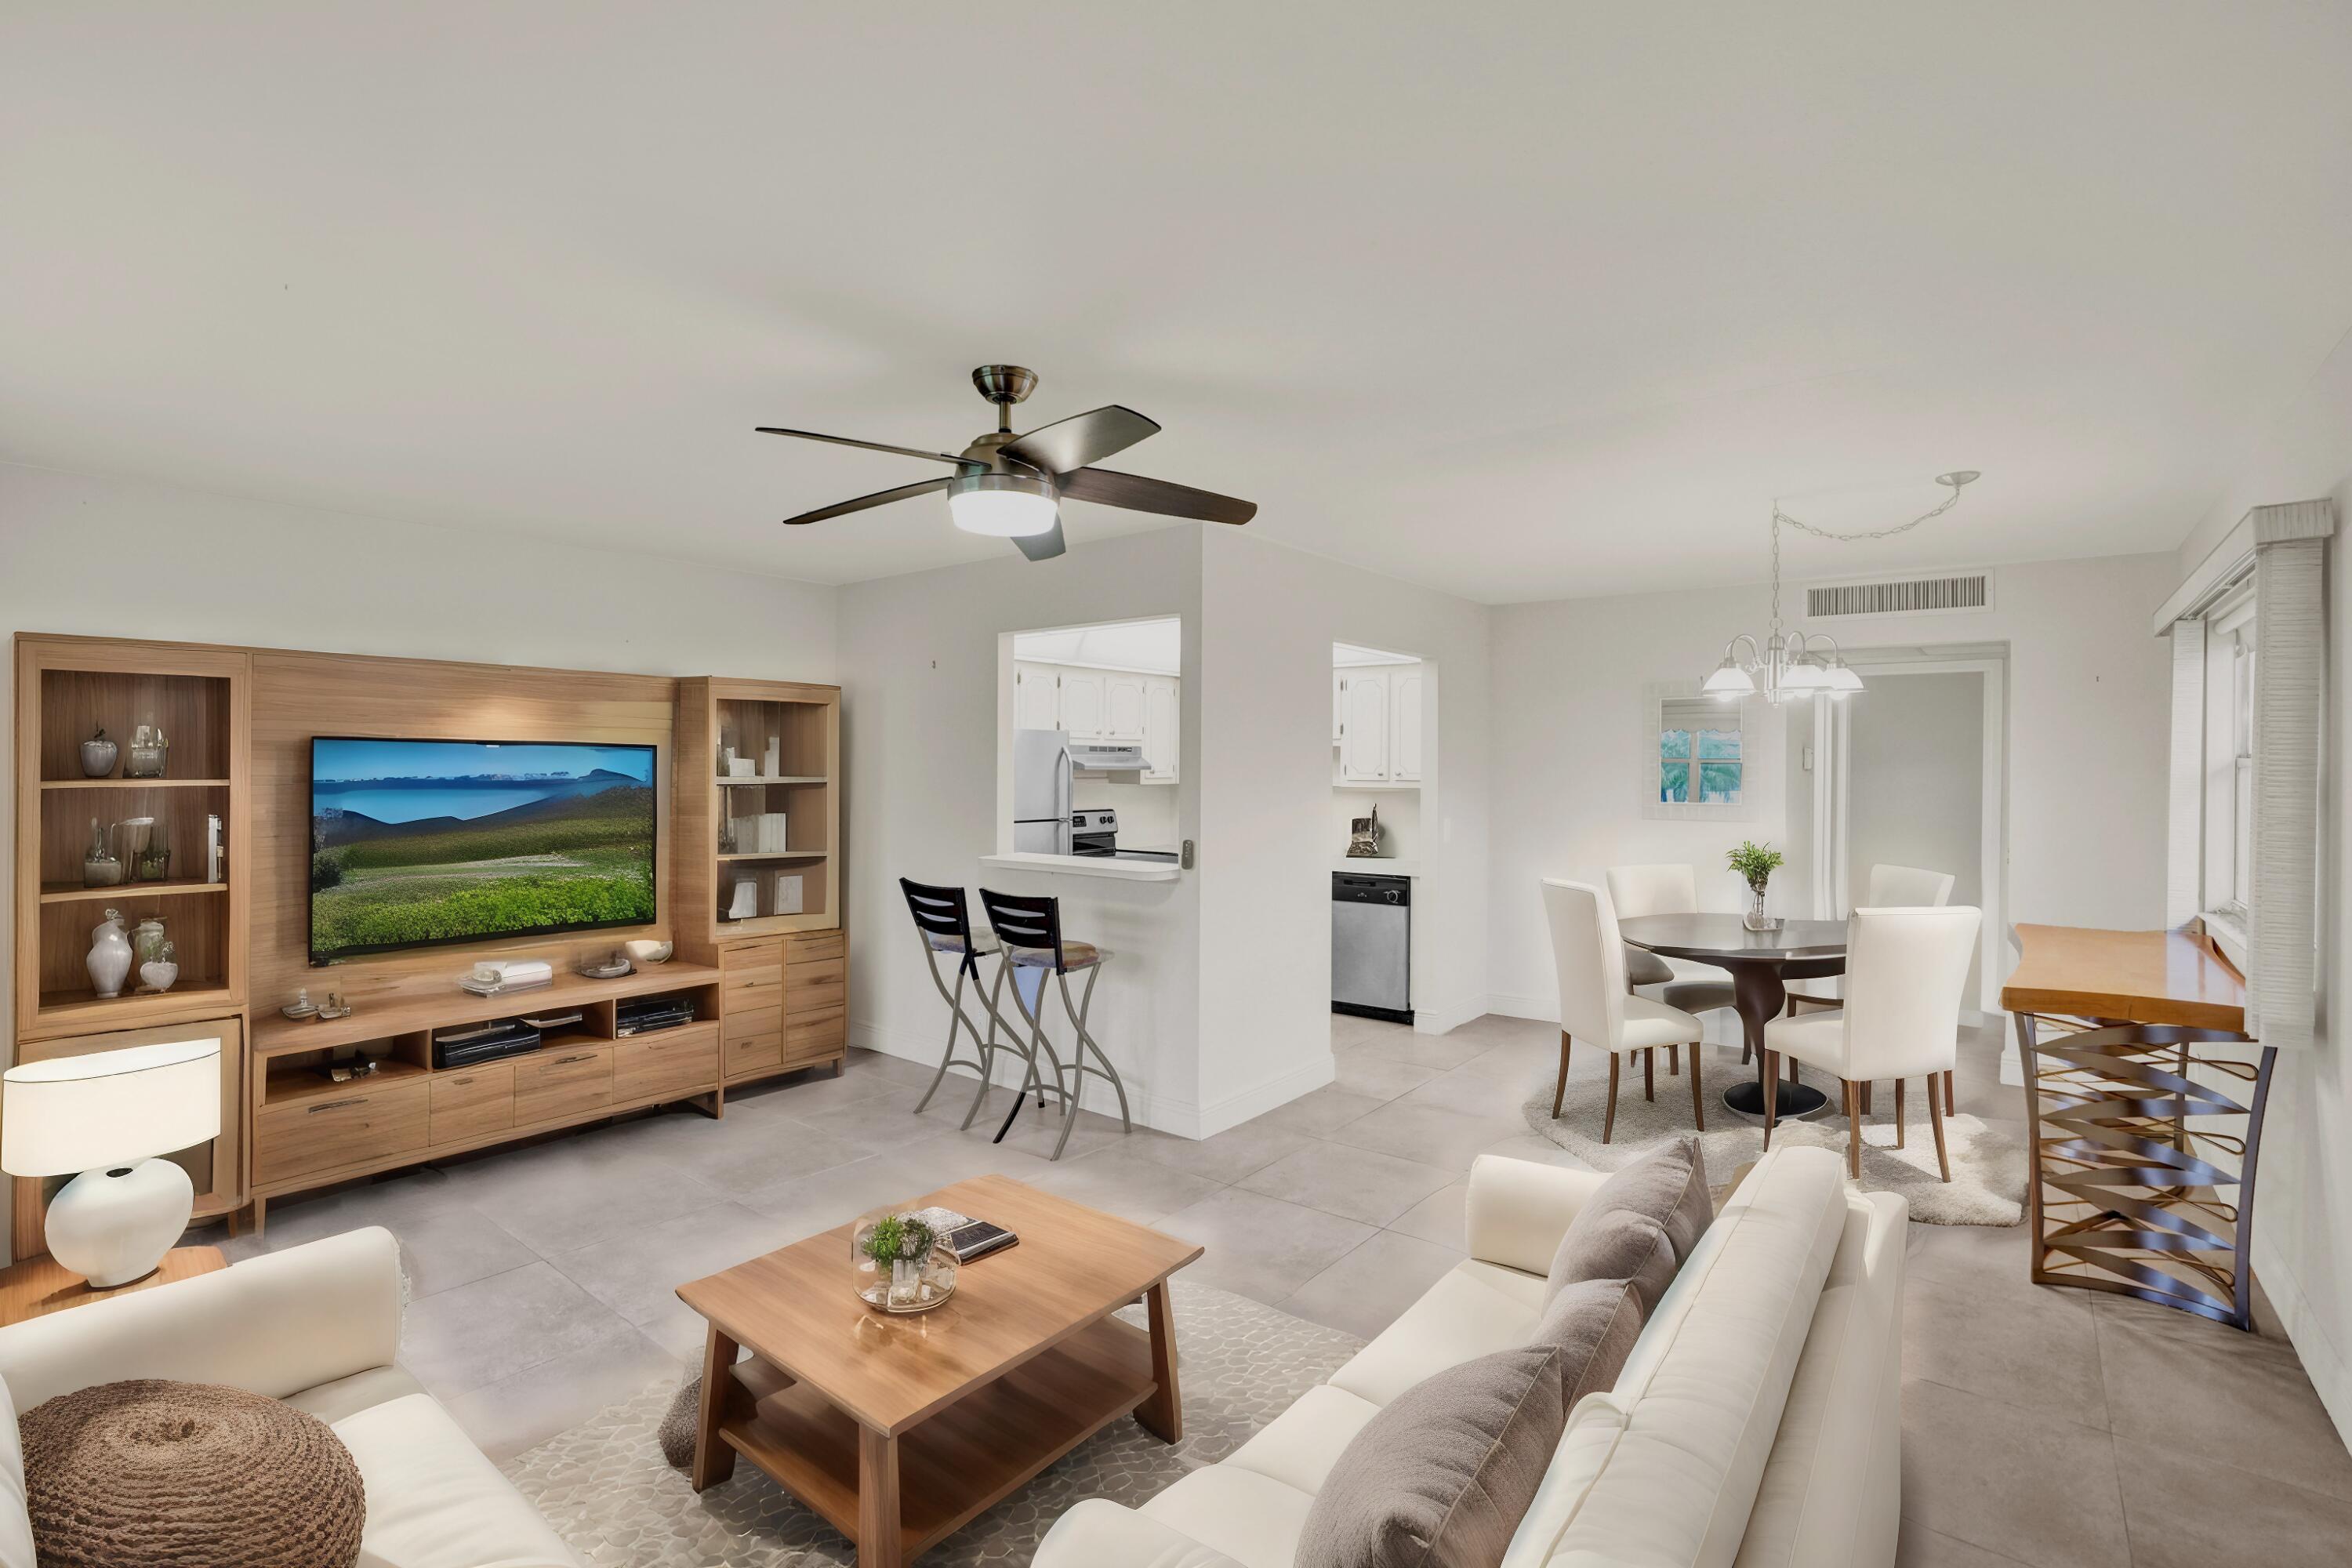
478 1043
641 1014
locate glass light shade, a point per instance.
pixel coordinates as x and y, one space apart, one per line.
1804 674
71 1114
1003 506
1843 681
1727 681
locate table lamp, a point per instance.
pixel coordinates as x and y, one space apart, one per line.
101 1118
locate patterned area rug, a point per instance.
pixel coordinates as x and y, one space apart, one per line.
606 1490
1988 1184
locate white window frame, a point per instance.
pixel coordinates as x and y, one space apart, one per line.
1758 727
2225 810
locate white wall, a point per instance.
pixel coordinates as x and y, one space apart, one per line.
2087 709
1915 780
920 700
2301 1253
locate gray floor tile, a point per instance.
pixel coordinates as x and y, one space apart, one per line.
1226 1157
743 1152
638 1275
1262 1247
1319 1112
1442 1218
1491 1099
2234 1394
2033 1487
1920 1547
2186 1511
586 1190
1123 1182
1995 1335
1378 1077
1368 1289
1354 1183
1430 1133
527 1408
1445 1052
479 1333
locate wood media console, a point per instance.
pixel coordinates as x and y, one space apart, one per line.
768 990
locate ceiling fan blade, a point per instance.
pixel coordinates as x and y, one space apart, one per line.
1043 546
1080 439
1106 488
873 445
879 498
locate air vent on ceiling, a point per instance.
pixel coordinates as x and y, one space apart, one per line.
1901 596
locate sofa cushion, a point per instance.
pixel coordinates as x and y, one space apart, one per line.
1477 1309
1299 1446
1665 1467
331 1402
1640 1226
15 1520
1594 1324
433 1501
1251 1518
1441 1476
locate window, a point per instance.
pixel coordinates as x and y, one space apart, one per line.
2229 805
1702 739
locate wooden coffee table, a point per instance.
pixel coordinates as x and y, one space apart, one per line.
899 1430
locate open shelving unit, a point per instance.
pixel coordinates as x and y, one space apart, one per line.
803 723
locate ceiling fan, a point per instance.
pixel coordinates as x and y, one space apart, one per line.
1011 486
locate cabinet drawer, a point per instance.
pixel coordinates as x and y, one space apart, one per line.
815 972
826 996
741 956
561 1081
751 1021
755 1053
750 988
472 1100
814 946
319 1135
667 1062
818 1037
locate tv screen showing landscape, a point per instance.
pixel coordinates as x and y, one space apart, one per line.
419 842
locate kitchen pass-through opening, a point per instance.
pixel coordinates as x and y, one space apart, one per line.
1093 751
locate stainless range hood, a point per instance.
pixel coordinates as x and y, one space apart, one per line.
1097 760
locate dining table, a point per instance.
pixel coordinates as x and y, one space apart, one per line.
1760 964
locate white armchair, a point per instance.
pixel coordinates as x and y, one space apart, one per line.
1684 983
1596 1005
1905 971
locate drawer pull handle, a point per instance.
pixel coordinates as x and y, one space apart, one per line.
459 1082
336 1105
582 1057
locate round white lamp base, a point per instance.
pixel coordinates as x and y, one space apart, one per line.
114 1226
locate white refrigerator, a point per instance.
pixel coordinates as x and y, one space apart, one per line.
1041 771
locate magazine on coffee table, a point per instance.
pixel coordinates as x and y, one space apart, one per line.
963 1235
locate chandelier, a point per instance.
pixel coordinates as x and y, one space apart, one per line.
1784 667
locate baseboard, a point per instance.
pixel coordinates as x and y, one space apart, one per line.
2323 1359
1445 1018
1543 1008
1208 1121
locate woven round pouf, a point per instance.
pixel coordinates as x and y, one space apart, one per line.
151 1474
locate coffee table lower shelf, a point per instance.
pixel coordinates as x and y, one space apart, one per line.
957 1463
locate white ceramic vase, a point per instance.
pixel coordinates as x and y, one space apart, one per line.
113 1226
108 961
158 975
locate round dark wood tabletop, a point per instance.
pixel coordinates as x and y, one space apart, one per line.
1725 939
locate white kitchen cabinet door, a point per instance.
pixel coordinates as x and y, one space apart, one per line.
1163 719
1404 726
1037 700
1123 707
1364 749
1082 703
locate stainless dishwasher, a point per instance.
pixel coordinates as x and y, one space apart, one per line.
1371 946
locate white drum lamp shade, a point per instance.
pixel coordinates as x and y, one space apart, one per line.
101 1117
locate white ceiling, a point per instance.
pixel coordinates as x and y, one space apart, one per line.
1517 301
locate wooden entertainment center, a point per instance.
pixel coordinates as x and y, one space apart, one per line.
768 989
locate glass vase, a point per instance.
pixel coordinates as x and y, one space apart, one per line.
904 1284
1756 918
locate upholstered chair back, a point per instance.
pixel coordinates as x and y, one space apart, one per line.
1637 891
1907 887
1591 959
1905 971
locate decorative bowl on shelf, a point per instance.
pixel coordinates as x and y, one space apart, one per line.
644 951
896 1265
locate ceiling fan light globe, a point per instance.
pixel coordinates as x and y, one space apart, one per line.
1003 506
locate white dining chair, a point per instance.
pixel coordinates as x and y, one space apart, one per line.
1666 889
1891 887
1905 971
1595 1005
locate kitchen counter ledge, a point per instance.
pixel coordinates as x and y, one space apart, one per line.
1087 866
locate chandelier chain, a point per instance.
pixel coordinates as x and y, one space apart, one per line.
1949 502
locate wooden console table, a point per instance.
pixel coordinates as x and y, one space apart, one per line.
39 1286
2137 1187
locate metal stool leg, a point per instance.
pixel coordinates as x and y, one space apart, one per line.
1038 1044
1078 1065
956 1020
990 1046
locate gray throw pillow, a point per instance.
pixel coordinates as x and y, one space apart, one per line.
1640 1226
1593 1324
1441 1476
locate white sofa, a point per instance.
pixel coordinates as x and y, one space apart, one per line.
1755 1422
319 1326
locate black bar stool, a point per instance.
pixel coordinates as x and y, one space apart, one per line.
943 921
1031 930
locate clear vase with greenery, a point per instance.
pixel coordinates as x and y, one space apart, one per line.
1756 863
899 1264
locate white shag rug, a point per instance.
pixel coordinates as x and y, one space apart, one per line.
605 1487
1988 1184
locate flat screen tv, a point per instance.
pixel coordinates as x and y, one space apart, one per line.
418 843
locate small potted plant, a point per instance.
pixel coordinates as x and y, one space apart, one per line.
1756 863
900 1266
